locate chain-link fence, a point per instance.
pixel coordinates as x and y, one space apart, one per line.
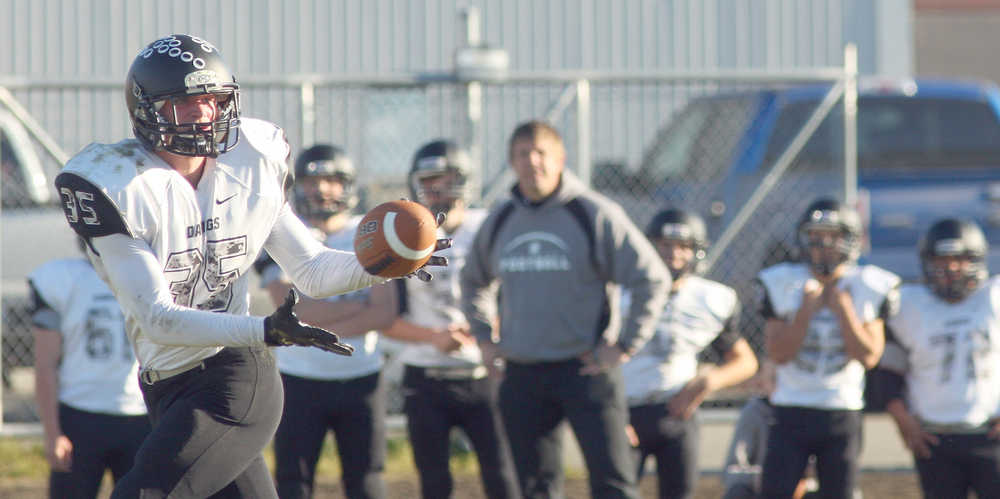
747 153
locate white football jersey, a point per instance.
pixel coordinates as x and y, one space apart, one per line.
821 375
309 362
953 353
701 313
204 239
439 302
97 371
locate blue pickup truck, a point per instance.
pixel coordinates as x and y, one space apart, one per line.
926 149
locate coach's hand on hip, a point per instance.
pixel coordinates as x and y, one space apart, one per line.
282 328
602 358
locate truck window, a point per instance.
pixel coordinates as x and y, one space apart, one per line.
700 141
896 131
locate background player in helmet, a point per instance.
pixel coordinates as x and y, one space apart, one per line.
176 218
663 384
86 382
825 326
322 392
445 381
949 328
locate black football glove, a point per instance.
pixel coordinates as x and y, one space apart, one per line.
282 328
439 261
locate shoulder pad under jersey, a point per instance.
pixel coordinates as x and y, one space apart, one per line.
265 137
782 284
879 279
719 298
88 208
89 183
51 280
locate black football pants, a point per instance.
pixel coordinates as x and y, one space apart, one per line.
209 427
100 442
960 463
674 444
833 436
355 410
433 408
535 398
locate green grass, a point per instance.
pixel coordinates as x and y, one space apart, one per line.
23 458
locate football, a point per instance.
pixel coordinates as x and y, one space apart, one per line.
395 238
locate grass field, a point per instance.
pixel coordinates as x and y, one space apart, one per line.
24 472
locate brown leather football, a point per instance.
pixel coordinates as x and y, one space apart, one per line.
395 238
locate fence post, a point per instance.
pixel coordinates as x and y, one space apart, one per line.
307 99
851 124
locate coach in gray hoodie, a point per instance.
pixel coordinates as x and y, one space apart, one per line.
552 252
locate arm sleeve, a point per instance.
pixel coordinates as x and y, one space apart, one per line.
479 293
636 266
143 292
315 270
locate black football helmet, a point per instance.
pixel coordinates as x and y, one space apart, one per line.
324 160
180 66
958 238
683 226
440 157
830 214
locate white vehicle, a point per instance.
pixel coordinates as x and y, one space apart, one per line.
33 231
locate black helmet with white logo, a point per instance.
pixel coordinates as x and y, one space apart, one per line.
182 66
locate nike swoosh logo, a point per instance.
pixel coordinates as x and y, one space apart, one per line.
220 201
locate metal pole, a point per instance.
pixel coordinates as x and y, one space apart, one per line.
472 138
850 124
307 95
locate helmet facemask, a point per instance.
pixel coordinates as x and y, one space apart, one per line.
315 202
440 192
672 231
952 271
152 124
324 183
827 241
678 265
438 186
